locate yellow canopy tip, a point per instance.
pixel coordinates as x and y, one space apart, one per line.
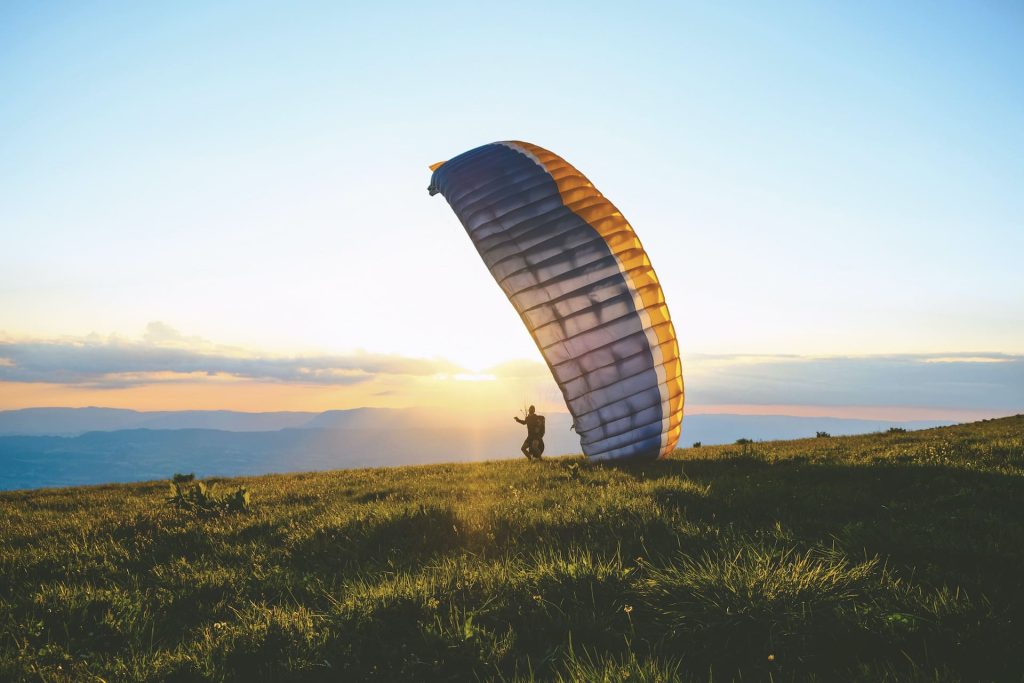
434 167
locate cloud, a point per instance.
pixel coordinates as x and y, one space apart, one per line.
948 380
520 369
164 355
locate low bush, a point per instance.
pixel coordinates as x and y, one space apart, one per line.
198 496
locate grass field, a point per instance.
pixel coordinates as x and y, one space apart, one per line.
882 557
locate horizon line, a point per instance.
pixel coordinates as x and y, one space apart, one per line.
839 412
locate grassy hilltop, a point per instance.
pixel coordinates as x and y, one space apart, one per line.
882 557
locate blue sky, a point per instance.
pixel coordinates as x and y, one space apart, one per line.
813 179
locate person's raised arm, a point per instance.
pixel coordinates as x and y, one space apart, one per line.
522 422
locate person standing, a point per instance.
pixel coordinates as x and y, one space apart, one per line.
533 447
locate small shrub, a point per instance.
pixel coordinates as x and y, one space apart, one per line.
183 478
744 442
823 435
236 501
198 496
896 430
696 444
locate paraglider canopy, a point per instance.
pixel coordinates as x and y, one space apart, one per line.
583 285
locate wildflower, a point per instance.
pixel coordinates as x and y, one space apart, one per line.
771 658
628 609
537 598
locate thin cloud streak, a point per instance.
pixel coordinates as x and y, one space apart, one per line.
164 356
980 381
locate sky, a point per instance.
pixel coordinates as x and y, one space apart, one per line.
223 205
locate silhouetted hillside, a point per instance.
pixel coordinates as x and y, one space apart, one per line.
886 557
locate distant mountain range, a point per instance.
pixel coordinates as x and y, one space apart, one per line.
74 446
74 421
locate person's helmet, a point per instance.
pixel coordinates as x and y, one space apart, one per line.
532 409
